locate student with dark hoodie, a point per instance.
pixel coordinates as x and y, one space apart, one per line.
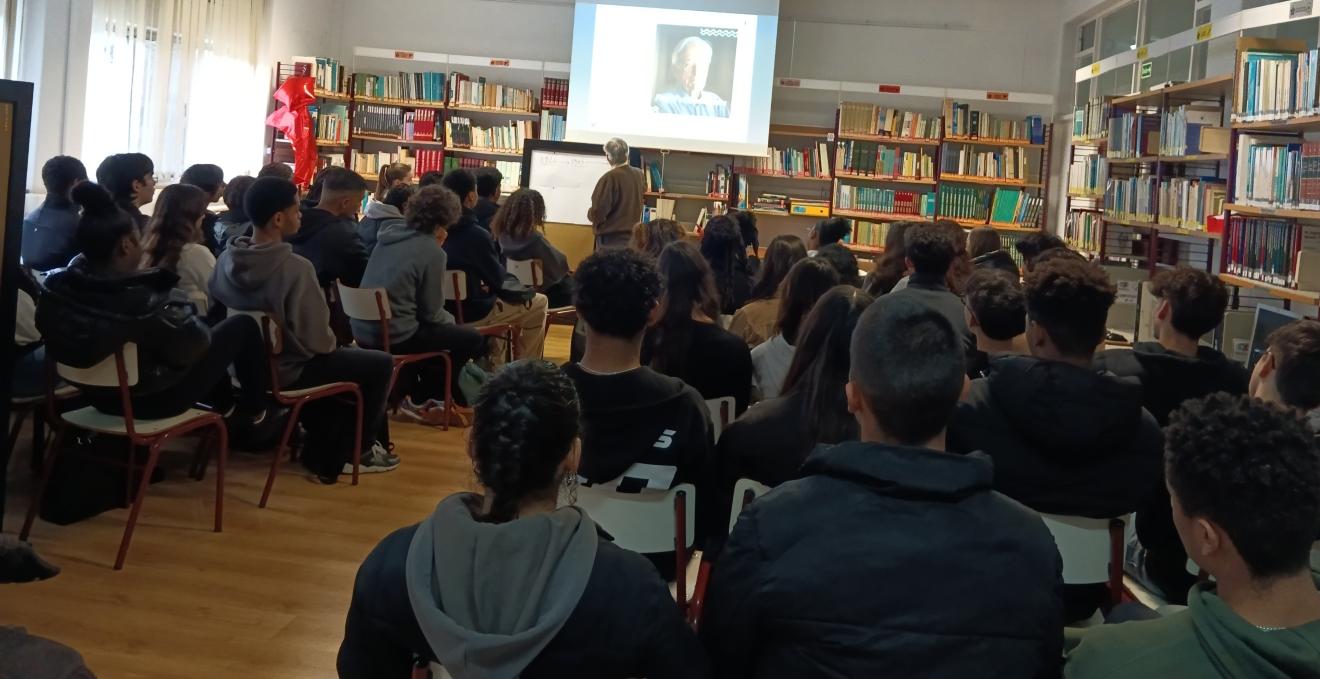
889 557
519 227
380 214
211 179
233 222
1173 369
489 182
930 254
49 240
328 236
263 273
1064 438
507 584
1245 481
131 180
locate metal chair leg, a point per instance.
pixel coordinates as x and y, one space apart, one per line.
449 389
45 481
357 438
152 455
279 452
16 429
221 456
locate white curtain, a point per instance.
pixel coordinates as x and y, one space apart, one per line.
178 81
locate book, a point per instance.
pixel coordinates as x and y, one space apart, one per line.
1084 231
1017 207
329 76
511 171
464 91
961 120
803 162
881 160
330 122
1131 134
1007 163
1091 120
553 126
1270 171
1131 199
419 125
1268 86
717 181
965 202
1180 129
874 199
402 86
1268 250
554 93
871 119
1186 202
378 119
509 137
1087 174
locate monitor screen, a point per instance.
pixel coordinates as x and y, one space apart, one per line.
1268 319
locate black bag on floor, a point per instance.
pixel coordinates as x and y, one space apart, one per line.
84 483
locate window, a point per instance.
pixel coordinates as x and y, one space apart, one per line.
11 18
176 80
1118 32
1168 17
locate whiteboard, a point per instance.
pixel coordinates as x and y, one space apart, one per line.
566 180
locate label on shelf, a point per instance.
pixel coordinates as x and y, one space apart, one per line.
499 62
1095 69
1300 8
1143 52
790 82
890 89
996 96
1203 32
400 54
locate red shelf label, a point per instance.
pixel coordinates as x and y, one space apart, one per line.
790 82
890 89
402 55
997 96
499 62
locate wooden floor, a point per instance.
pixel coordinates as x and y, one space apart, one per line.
265 598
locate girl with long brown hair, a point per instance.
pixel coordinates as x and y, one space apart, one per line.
174 240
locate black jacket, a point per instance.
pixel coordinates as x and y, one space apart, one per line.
718 363
471 249
886 561
999 259
230 225
625 625
332 245
931 292
84 317
485 211
1065 440
48 234
767 444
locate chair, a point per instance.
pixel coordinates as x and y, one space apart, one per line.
372 305
121 371
744 491
721 413
1092 550
530 272
455 288
22 406
647 522
273 334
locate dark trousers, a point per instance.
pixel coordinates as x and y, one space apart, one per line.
560 293
370 370
426 380
618 239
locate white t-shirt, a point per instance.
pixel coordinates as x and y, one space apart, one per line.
770 362
25 321
195 266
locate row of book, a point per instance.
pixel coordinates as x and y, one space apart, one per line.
510 170
425 86
1133 135
419 125
870 119
1015 206
330 76
1181 127
655 179
803 162
1131 199
873 199
1091 120
1186 202
1084 231
507 137
464 91
871 234
1009 163
717 181
1274 85
1087 174
427 160
377 119
965 202
554 92
1270 250
879 160
553 126
330 121
961 120
1275 171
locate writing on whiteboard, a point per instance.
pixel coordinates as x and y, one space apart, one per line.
566 181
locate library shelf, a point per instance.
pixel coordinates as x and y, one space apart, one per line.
978 141
989 181
372 176
927 181
777 213
885 139
687 196
1277 291
790 177
1294 124
330 143
879 216
553 108
397 140
1132 223
1221 85
973 223
1195 158
332 96
467 108
864 249
1086 196
402 103
1281 213
1014 227
1181 231
484 152
1141 160
800 131
1090 141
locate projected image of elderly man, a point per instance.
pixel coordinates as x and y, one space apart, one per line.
687 94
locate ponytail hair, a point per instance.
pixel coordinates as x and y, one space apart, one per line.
389 174
102 224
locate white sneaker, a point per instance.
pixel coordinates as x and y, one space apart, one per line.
375 461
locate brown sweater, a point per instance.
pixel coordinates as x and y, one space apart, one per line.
616 204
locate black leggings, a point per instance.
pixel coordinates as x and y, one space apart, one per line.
426 380
370 370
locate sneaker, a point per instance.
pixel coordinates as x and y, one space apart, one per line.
410 412
375 461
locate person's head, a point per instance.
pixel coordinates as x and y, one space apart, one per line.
489 180
1288 373
1244 480
1191 302
806 282
106 235
432 209
341 191
235 191
723 248
463 184
272 205
820 365
961 265
780 256
521 215
129 177
429 178
176 222
616 292
746 221
983 240
892 265
390 176
399 196
525 427
930 250
828 231
61 173
996 308
906 375
1034 244
690 64
616 152
689 290
649 238
1068 304
279 170
207 177
843 261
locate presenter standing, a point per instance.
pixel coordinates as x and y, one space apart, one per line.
616 204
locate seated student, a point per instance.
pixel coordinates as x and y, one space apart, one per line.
131 180
489 180
649 238
755 321
1245 481
770 441
686 341
504 583
173 241
328 236
233 222
494 296
844 261
1173 369
751 237
930 254
1034 245
892 267
49 232
961 266
276 169
410 265
519 227
809 279
1064 438
996 313
986 250
726 254
263 273
849 570
381 214
1288 373
430 178
211 179
827 232
391 176
104 299
29 357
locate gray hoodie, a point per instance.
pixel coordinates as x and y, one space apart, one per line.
271 278
410 266
490 596
377 217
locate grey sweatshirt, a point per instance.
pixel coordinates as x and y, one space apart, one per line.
490 596
271 278
377 216
410 265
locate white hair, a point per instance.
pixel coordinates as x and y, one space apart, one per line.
616 151
688 42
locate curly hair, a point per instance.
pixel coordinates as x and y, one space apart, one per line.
746 221
524 423
388 177
1296 350
688 287
1251 468
649 238
780 256
723 248
832 230
615 291
431 209
1197 299
1070 299
522 213
931 249
996 300
174 224
806 282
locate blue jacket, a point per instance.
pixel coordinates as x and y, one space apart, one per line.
48 234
